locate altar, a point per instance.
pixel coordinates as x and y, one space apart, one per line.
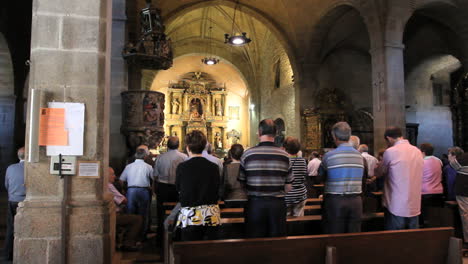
197 102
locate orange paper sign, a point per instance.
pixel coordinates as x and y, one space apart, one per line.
52 127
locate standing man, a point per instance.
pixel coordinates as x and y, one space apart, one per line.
266 172
312 170
138 175
402 165
165 176
343 170
14 183
371 160
207 155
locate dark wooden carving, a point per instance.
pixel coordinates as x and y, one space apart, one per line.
143 118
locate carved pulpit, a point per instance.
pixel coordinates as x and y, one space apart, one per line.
198 103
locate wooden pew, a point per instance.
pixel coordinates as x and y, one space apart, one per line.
425 246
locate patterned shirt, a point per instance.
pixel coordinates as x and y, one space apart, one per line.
265 169
344 167
299 191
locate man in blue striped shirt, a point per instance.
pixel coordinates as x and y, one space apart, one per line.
266 172
343 169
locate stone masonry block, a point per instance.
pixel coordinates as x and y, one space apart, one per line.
86 250
37 222
83 33
67 68
54 248
30 251
45 31
72 7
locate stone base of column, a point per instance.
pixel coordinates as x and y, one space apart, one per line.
38 232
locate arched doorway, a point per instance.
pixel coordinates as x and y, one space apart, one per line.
342 80
434 58
7 108
225 110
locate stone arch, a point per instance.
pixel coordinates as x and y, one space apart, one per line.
278 32
329 16
6 69
450 13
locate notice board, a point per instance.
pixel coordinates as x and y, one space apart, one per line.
74 124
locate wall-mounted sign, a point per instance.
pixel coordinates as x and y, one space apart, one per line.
88 169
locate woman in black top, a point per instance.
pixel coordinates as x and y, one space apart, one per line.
197 181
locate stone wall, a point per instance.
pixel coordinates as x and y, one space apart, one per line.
276 87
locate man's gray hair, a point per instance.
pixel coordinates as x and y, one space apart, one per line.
21 153
363 148
140 154
341 131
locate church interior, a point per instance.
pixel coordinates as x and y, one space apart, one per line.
149 69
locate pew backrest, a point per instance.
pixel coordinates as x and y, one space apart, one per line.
428 246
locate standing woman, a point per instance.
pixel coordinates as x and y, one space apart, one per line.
197 181
232 192
296 198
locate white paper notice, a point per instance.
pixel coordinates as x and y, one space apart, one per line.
74 123
88 169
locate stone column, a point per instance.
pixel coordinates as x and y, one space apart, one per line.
388 91
118 147
70 55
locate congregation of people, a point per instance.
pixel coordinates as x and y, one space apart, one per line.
273 182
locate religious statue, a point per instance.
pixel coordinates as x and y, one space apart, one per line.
218 143
175 106
234 135
196 110
218 108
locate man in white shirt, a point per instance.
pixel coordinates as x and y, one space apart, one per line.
312 172
138 175
132 223
371 160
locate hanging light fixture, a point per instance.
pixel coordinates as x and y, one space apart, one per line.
236 39
209 59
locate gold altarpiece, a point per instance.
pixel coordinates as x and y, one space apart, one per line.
197 102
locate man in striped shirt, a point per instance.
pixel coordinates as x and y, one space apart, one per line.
266 173
343 169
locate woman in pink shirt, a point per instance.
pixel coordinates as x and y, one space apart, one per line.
432 189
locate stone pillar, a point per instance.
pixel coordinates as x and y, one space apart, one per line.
118 149
388 91
70 55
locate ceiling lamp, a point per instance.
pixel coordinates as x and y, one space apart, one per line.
209 59
236 39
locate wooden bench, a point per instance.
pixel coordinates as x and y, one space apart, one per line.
425 246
